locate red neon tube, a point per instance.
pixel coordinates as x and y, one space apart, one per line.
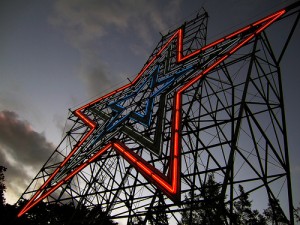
170 188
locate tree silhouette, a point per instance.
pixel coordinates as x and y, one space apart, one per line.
49 213
297 213
244 213
99 217
55 214
274 213
2 186
158 213
207 208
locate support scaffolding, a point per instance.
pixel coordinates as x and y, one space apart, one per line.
146 151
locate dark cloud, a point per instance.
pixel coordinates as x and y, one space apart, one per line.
87 21
16 177
94 74
22 151
97 79
62 124
88 26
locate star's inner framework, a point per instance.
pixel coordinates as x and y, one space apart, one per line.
146 150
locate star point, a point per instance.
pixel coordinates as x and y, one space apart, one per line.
125 108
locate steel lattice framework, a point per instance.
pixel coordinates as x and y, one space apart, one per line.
145 151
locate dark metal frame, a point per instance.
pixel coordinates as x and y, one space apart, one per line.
233 126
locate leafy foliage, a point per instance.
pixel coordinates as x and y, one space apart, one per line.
274 213
297 213
207 208
53 214
244 213
158 213
2 186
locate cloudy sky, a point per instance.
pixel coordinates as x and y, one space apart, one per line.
56 55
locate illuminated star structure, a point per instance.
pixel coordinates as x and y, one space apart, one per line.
145 144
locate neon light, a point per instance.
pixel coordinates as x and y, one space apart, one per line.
90 123
99 153
238 32
82 166
213 44
170 188
177 120
176 144
175 176
241 44
279 13
25 209
163 183
41 198
269 23
178 103
144 168
129 156
148 170
215 64
190 55
179 46
52 189
176 140
143 119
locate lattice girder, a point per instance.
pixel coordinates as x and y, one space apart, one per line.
223 101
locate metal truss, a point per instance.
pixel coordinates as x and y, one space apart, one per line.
145 151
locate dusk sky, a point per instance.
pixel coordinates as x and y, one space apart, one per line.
56 55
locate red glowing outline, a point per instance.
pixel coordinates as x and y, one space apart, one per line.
170 184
